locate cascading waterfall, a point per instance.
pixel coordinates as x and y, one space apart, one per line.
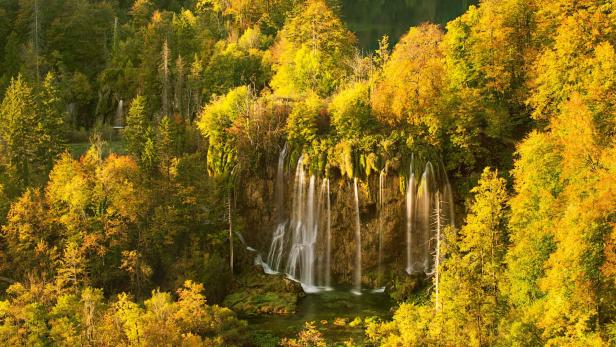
427 200
274 256
357 265
301 244
325 200
380 212
118 122
411 192
305 224
424 212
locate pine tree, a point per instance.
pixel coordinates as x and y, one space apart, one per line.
136 126
52 112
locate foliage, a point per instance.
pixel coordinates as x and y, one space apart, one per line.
31 135
215 122
310 336
30 317
350 111
215 89
313 48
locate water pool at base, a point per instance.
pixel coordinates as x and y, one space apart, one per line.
324 309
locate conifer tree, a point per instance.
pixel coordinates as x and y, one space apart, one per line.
20 133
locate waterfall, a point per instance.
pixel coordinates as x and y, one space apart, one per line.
301 244
380 229
429 204
357 267
305 227
411 192
119 116
275 254
328 235
424 211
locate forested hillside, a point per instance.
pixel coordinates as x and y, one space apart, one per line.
200 172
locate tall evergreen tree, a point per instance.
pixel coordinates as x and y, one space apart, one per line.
22 135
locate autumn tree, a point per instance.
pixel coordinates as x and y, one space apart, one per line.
314 48
30 135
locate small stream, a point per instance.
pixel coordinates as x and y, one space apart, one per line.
324 309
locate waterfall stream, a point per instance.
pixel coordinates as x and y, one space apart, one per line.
357 265
429 204
301 244
380 204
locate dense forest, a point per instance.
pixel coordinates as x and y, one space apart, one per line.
193 172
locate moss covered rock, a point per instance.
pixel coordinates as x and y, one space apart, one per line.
264 294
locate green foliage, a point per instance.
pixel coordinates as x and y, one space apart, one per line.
315 45
31 135
310 337
215 121
86 318
350 111
137 123
303 123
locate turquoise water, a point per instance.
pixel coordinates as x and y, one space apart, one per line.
371 19
323 309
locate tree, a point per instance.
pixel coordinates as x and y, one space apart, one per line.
350 110
315 45
21 136
412 80
52 111
137 123
471 276
215 122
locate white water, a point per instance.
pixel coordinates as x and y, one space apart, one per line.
325 258
411 198
301 244
274 257
306 262
357 266
380 212
428 210
118 122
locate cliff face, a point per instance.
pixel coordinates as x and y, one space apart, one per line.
256 206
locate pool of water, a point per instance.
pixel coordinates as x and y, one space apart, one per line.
324 309
371 19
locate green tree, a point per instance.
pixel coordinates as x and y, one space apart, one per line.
20 134
137 123
350 110
315 46
215 122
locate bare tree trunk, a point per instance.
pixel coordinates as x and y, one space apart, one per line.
229 210
165 71
437 260
36 40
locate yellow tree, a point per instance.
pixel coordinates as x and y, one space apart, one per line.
412 81
313 52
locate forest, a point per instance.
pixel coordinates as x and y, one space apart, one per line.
256 173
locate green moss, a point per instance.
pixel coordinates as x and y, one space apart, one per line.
261 294
254 302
